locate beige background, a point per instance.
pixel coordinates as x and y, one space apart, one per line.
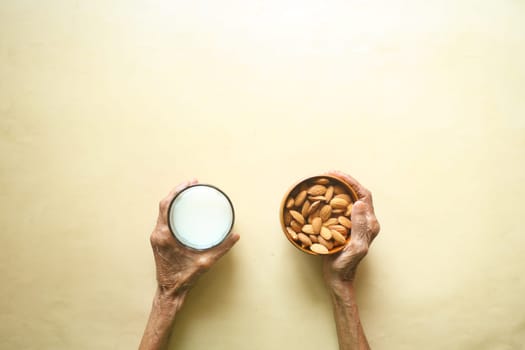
105 105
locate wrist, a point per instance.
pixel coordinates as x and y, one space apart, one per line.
336 279
168 301
340 288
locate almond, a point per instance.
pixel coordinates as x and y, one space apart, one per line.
290 203
319 248
297 216
317 198
343 220
326 212
317 222
300 198
339 228
308 229
338 211
348 211
338 189
317 190
345 197
326 233
287 218
329 193
304 239
331 221
313 238
305 209
312 216
322 181
297 227
314 206
292 233
328 244
339 203
339 238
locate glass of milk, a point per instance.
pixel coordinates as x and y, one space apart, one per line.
201 216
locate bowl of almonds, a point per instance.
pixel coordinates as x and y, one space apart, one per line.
316 214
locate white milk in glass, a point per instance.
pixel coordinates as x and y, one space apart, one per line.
201 216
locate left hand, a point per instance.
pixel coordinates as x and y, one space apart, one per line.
178 267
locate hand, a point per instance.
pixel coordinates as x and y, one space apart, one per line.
341 267
179 267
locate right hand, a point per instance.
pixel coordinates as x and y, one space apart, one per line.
341 267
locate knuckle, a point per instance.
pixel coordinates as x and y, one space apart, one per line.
373 224
160 237
154 239
163 241
375 227
204 262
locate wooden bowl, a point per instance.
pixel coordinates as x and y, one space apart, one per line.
302 185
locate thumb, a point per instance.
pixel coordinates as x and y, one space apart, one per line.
227 244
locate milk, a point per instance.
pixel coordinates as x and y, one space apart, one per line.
201 216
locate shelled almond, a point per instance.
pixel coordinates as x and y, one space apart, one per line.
317 215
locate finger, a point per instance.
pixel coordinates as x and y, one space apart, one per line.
166 201
362 192
162 237
226 245
179 188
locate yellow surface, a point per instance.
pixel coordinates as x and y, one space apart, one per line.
105 105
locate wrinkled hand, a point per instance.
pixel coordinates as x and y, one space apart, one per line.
179 267
341 267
